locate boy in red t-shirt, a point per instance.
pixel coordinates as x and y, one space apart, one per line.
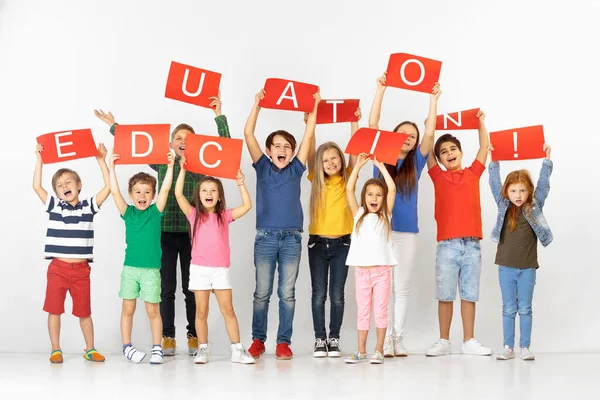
458 255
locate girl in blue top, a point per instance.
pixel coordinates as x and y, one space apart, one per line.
406 174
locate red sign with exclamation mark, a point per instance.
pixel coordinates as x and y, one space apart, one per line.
518 144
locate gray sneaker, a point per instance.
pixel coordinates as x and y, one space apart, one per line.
507 354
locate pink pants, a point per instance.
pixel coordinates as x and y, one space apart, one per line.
372 288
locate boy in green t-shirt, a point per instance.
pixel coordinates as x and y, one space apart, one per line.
141 269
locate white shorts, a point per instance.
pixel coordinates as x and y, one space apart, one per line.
208 278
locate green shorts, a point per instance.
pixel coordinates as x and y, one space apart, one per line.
140 282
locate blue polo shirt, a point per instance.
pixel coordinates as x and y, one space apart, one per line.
278 195
405 216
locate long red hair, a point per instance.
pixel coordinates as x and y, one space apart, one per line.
520 176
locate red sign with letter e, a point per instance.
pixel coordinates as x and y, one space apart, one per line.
142 144
67 145
334 111
192 85
518 144
282 94
384 145
410 72
458 120
214 156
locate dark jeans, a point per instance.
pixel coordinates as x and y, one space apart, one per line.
328 256
176 244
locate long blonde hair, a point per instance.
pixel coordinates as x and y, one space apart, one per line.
383 213
317 191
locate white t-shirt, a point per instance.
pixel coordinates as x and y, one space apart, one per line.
370 245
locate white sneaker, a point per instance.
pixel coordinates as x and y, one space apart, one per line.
440 348
507 354
240 355
399 350
526 355
157 355
201 355
388 347
474 348
376 358
134 355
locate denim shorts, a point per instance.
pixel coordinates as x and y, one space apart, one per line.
458 261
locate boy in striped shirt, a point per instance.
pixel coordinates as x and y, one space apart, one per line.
69 244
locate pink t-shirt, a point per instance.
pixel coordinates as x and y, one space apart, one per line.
211 240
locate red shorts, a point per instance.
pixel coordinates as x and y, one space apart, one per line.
72 277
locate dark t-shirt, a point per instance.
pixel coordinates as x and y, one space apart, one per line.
517 249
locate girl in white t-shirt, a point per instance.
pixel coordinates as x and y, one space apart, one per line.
371 254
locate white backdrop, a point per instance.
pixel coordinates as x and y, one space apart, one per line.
524 63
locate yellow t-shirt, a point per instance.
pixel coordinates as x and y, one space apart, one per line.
334 217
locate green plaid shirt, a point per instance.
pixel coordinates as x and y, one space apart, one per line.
174 220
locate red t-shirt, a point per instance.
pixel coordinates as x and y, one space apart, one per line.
457 203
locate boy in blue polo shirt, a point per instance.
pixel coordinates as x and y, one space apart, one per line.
279 222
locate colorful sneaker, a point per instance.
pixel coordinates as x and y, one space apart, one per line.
399 350
157 355
257 349
134 355
526 355
169 346
56 357
440 348
507 354
93 355
240 355
201 355
388 346
356 358
192 344
474 348
376 358
320 348
283 352
333 348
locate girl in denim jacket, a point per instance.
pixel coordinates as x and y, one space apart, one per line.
519 225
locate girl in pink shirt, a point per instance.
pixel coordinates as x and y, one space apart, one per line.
209 269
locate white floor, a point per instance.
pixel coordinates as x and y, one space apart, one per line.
415 377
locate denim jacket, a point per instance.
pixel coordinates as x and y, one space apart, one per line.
537 221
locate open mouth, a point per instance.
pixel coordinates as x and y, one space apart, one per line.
210 202
373 205
182 148
142 203
452 159
68 193
281 158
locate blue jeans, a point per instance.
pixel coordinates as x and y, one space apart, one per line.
516 285
458 261
328 257
280 250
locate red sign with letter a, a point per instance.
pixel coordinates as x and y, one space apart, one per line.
458 120
142 144
214 156
282 94
410 72
67 145
192 85
334 111
518 144
384 145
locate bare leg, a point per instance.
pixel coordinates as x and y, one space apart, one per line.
225 301
155 322
380 339
467 311
362 341
127 311
87 327
202 301
445 310
54 330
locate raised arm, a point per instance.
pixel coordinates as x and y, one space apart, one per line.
427 142
375 113
431 160
184 204
543 184
310 161
105 191
353 129
37 174
220 119
351 184
484 139
163 194
114 186
494 177
309 131
250 139
240 211
389 181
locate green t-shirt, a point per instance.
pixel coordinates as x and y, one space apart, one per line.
142 235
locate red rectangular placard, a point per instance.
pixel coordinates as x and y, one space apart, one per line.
384 145
518 144
67 145
212 155
142 144
406 71
334 111
283 94
192 85
458 120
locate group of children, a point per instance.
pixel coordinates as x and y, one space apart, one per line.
376 234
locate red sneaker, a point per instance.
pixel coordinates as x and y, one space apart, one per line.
283 352
256 349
